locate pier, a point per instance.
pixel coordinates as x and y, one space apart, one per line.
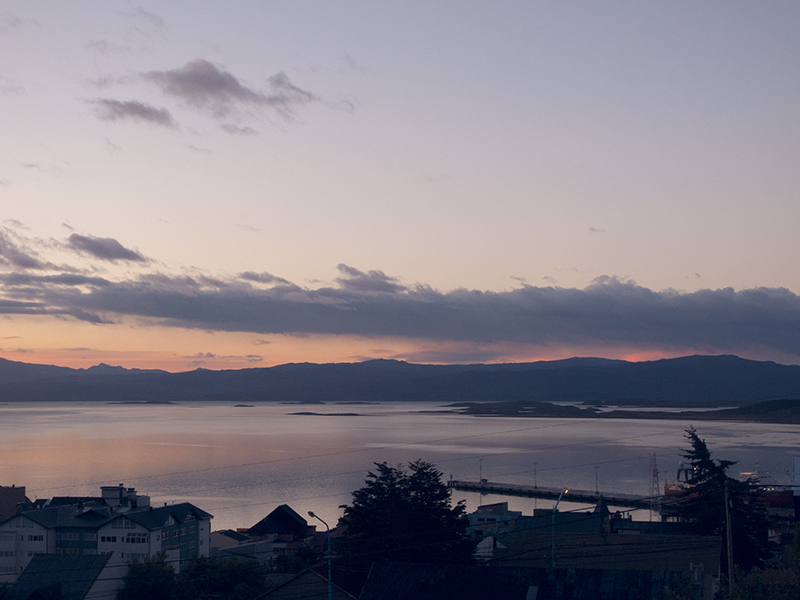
529 491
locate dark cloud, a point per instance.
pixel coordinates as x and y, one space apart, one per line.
198 149
103 248
370 282
13 255
608 313
204 86
12 307
236 130
132 110
105 47
65 279
148 18
264 277
200 358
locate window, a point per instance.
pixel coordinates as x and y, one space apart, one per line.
136 539
35 538
123 523
90 537
69 537
189 517
108 538
8 552
174 533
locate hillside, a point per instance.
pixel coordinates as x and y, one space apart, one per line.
689 381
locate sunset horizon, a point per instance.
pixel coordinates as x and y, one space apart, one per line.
258 184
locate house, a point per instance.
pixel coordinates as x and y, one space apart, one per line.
306 584
282 523
395 581
489 519
119 521
281 532
693 557
70 577
228 538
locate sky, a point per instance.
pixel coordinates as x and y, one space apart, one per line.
230 185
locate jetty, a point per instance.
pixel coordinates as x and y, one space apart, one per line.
571 495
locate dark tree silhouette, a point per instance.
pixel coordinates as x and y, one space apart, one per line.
704 505
154 578
225 579
405 515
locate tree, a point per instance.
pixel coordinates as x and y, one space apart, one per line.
704 504
405 515
226 579
154 579
781 583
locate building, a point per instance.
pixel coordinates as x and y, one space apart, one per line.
10 498
281 533
284 524
69 577
490 519
119 521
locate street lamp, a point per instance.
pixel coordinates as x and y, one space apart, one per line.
328 529
555 510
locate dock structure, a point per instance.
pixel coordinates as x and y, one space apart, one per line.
530 491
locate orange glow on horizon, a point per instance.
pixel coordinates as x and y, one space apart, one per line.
74 344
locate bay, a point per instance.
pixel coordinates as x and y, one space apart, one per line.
239 463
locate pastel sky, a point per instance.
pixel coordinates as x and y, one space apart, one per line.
225 185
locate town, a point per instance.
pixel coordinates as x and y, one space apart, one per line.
104 546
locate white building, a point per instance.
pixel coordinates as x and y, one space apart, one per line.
120 521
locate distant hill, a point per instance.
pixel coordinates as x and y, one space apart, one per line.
690 381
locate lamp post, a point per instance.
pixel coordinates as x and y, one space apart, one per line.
328 530
555 510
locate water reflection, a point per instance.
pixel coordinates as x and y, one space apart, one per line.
240 462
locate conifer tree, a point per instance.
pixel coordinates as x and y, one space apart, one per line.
704 505
405 515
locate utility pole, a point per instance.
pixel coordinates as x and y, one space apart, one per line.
728 536
328 530
555 510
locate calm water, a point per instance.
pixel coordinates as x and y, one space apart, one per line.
238 463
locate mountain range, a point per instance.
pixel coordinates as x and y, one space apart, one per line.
691 381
